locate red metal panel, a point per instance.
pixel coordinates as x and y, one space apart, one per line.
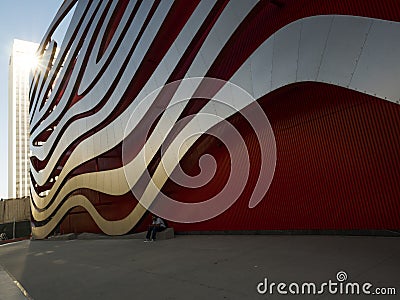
336 168
338 154
338 165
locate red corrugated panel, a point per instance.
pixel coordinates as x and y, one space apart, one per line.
338 163
337 167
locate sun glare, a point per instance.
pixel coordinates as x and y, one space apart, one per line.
29 61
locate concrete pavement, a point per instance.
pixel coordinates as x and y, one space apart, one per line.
202 267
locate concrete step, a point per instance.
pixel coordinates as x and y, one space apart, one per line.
163 235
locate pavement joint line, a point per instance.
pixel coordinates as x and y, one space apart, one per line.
17 283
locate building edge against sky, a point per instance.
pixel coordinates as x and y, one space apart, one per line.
22 61
324 73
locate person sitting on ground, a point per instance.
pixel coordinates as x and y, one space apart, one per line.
157 225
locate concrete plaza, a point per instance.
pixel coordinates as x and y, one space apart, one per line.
199 266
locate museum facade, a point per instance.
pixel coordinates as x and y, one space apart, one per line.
218 116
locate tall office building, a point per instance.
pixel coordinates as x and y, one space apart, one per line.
22 60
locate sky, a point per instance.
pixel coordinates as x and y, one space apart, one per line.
25 20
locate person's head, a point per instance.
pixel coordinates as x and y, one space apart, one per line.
153 217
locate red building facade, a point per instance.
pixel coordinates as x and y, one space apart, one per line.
324 74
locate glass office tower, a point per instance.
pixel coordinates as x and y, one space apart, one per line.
22 60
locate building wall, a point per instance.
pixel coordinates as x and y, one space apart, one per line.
14 210
322 73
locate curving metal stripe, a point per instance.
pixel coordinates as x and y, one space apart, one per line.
170 58
195 22
89 101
